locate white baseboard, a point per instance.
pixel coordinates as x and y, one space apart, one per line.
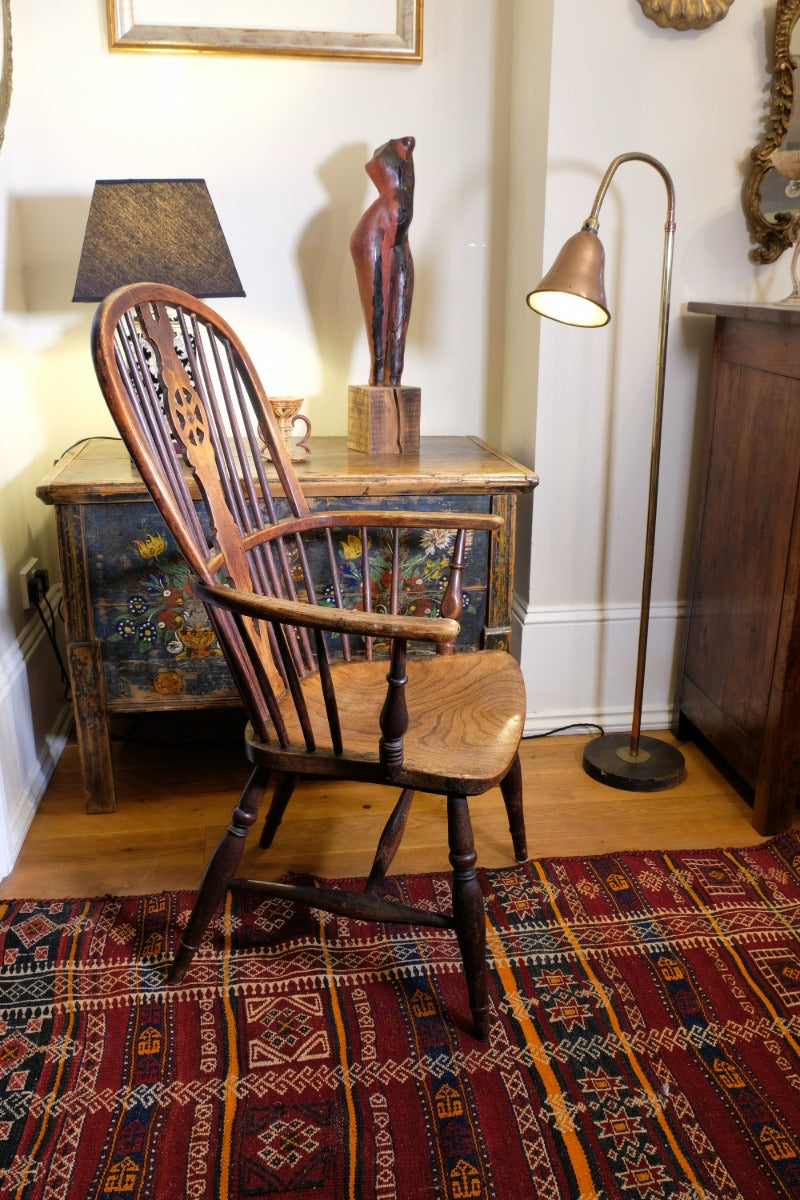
579 665
35 720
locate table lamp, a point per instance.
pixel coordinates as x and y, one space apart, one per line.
154 230
573 292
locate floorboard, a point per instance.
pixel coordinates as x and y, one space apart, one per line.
176 788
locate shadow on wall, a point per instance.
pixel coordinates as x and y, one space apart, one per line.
327 272
329 280
45 235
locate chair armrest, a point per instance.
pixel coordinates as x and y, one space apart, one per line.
375 519
335 620
408 519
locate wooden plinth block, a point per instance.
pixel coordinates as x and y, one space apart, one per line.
383 420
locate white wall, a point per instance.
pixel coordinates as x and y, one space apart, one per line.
695 101
517 108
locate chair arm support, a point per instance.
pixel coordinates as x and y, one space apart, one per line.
335 620
394 714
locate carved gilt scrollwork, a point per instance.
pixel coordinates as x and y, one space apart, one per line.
776 234
685 14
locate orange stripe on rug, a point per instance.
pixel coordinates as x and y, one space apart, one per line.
763 997
230 1084
539 1057
352 1133
618 1030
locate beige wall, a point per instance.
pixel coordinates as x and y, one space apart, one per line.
696 101
517 108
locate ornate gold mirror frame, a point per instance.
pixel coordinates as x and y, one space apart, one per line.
685 14
773 227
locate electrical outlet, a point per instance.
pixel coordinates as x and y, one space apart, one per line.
33 582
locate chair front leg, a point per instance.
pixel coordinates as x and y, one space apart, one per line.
220 871
469 915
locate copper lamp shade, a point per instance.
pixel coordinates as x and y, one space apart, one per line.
573 290
154 230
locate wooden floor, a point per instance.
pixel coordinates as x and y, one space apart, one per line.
176 789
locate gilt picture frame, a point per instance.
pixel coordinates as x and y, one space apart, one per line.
383 30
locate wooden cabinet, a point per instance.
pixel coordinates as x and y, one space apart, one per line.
739 676
136 640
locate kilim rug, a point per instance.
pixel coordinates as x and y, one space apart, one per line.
645 1043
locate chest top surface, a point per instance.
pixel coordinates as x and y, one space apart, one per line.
100 470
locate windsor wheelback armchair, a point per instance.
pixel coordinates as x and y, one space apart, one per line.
329 690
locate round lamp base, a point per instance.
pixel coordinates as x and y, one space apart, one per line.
656 767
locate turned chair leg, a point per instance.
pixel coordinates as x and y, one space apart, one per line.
282 794
220 871
511 787
469 915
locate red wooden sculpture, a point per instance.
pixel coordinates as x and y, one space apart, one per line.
383 262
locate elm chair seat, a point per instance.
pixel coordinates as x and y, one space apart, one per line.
335 678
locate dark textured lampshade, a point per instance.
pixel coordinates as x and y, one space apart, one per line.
157 231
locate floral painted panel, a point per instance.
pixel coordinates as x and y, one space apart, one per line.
158 647
424 568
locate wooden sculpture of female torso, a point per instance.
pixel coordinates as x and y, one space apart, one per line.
383 262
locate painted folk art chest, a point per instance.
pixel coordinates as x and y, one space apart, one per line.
139 640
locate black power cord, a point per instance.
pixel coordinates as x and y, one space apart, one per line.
564 728
39 596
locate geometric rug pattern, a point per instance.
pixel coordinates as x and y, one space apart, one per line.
645 1042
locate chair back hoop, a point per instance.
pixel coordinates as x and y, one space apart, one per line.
195 418
190 407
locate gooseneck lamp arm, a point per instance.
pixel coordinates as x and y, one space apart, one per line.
658 408
576 278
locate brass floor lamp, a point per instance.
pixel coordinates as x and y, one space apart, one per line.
573 292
